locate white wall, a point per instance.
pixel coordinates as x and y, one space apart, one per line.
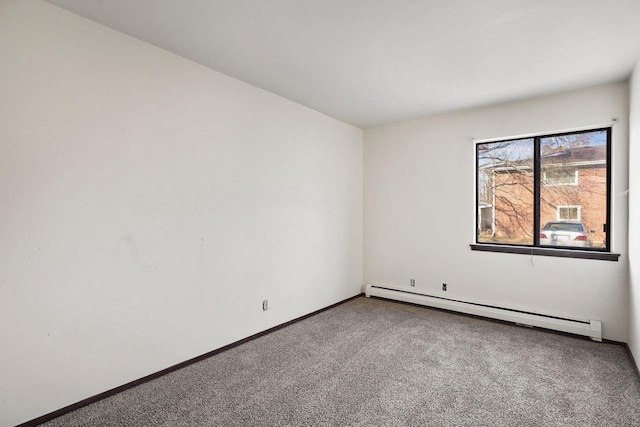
420 207
149 205
634 214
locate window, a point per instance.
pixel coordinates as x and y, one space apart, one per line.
568 213
560 176
548 191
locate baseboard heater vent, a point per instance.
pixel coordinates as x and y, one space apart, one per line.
589 328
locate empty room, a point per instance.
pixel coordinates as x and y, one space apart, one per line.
319 212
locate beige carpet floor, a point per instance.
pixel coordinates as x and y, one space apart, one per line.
370 362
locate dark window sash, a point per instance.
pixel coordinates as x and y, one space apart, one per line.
536 248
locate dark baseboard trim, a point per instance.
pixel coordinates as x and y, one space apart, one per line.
633 360
84 402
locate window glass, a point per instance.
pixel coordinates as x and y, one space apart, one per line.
578 163
555 183
505 192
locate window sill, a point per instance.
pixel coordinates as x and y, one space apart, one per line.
564 253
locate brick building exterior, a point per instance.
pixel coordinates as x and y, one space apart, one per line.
573 187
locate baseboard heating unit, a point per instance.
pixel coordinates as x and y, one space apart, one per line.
589 328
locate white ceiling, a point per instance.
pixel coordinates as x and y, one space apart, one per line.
372 62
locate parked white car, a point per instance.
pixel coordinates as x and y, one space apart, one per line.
565 233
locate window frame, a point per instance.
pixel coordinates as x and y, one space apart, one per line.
535 248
